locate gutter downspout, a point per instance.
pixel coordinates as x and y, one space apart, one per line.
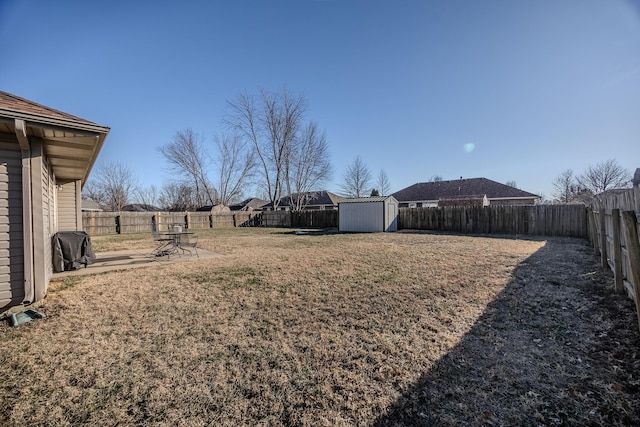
27 210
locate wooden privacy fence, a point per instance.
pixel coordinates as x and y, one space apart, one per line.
544 220
103 223
614 233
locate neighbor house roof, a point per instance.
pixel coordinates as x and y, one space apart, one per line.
316 198
461 188
249 204
89 205
140 207
70 143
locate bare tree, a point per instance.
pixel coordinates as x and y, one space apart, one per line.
92 191
565 187
187 158
357 179
147 196
604 176
511 184
384 185
178 197
435 178
236 164
270 123
113 186
308 165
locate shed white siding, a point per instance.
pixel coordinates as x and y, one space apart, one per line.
368 214
12 290
361 217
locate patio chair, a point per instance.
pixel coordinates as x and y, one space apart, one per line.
164 241
188 241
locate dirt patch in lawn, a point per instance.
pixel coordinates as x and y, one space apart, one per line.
335 329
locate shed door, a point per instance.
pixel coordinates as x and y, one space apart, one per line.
11 236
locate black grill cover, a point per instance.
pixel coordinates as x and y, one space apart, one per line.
71 249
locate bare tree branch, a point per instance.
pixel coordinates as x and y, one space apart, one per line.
308 165
384 185
147 196
565 186
270 123
236 163
187 157
178 196
114 185
357 179
605 176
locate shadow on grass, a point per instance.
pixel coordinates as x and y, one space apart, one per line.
556 347
531 237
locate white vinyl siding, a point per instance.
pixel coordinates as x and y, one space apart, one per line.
11 230
67 220
48 211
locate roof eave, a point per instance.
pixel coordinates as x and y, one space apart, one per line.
533 196
38 120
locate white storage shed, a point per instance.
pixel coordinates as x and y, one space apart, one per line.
368 214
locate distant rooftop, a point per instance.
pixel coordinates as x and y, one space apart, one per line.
460 188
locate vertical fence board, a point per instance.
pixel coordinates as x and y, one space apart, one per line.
548 220
630 223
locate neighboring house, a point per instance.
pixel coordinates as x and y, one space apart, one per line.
214 209
463 192
140 207
45 159
253 204
90 206
315 200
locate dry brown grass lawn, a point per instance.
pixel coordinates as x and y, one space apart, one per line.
337 329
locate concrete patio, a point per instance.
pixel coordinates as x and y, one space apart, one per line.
124 260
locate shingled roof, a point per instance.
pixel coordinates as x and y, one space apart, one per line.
249 204
460 188
12 103
70 143
318 198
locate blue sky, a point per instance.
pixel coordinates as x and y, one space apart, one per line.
536 86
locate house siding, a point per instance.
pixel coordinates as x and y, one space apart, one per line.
12 290
67 208
512 202
48 215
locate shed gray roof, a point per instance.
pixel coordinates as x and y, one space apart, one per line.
465 188
367 199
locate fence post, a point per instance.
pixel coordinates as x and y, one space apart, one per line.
593 230
210 221
187 221
617 250
118 230
633 249
603 236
